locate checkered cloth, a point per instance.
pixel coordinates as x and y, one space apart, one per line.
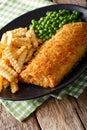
10 9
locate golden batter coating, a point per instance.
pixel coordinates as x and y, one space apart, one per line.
56 57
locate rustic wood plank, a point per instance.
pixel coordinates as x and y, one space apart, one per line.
77 2
8 122
53 114
60 115
81 108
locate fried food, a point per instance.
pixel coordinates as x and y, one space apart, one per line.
56 57
16 49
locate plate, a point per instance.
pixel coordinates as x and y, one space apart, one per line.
30 91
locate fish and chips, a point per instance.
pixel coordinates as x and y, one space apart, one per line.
25 58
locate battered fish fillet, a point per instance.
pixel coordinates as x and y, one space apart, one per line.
56 57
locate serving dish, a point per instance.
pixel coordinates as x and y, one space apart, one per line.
30 91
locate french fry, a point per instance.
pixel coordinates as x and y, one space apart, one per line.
4 39
12 60
8 69
29 55
9 39
5 59
39 41
19 32
14 87
1 82
19 51
34 38
28 34
21 59
16 33
17 48
6 75
4 56
21 41
14 50
2 47
5 83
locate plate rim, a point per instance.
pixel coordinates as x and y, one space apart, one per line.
64 85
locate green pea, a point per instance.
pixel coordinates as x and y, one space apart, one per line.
76 12
60 11
60 18
50 34
47 26
49 13
64 21
40 31
60 25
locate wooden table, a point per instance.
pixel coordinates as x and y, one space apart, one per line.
67 114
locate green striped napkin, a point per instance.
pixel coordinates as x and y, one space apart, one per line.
22 109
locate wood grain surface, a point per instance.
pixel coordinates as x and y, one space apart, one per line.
66 114
77 2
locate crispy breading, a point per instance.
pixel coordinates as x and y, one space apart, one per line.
58 56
